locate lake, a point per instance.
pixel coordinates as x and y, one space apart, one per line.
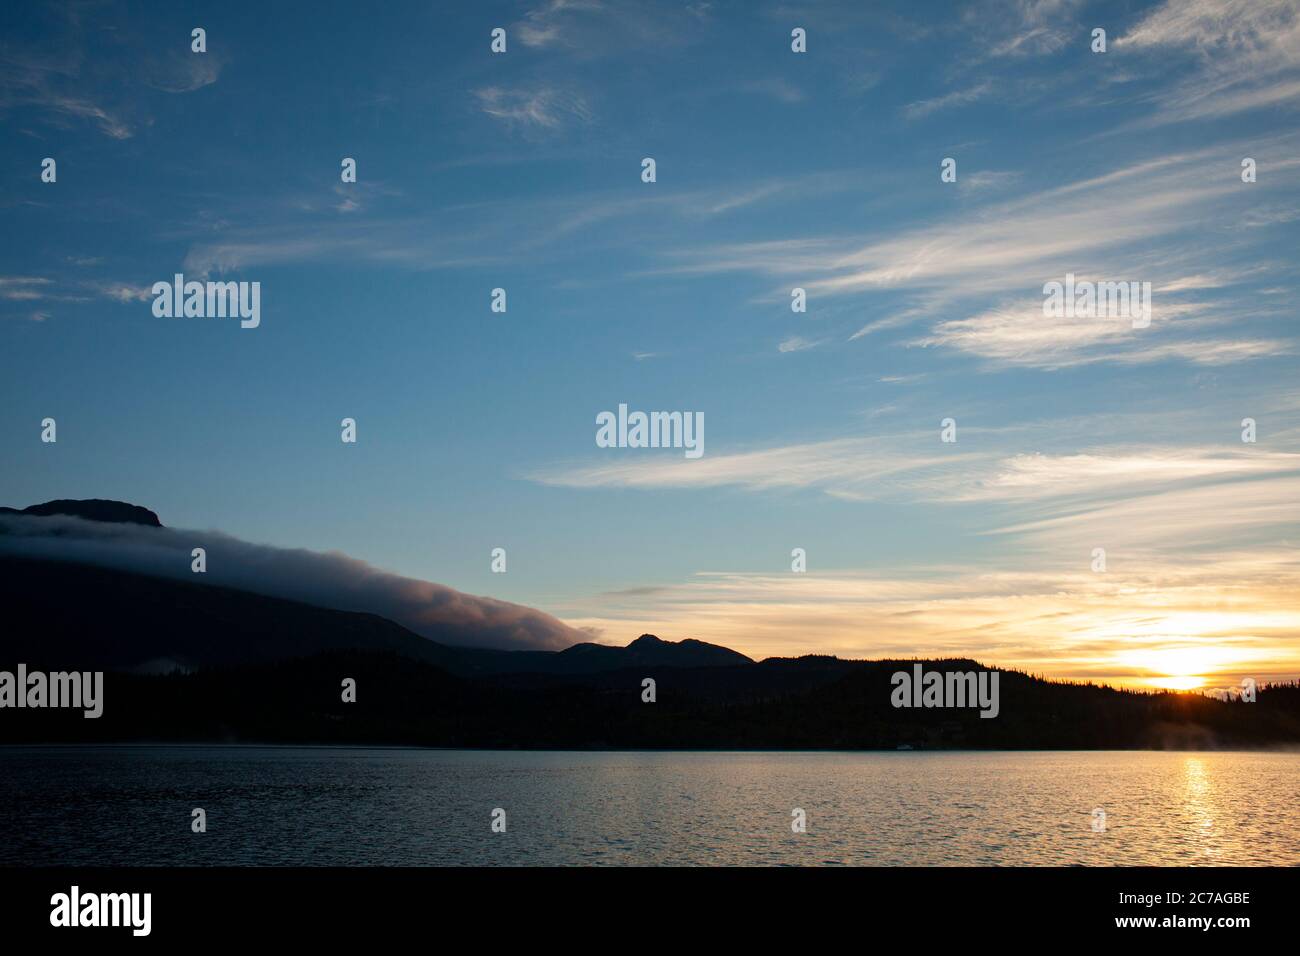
131 805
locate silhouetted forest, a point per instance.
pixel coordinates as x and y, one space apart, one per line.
795 704
250 668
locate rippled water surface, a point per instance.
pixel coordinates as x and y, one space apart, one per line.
324 806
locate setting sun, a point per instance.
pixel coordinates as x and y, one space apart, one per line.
1179 668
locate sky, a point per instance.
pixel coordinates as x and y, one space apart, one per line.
774 170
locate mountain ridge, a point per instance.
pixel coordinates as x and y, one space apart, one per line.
224 626
105 510
189 660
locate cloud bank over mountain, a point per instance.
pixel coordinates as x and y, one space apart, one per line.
331 579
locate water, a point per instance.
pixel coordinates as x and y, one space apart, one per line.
335 806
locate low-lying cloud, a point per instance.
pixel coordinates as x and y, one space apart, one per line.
331 580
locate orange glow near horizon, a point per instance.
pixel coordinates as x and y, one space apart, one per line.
1180 668
1183 633
1185 682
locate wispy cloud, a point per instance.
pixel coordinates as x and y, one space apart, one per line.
1101 219
64 78
923 108
1116 626
1244 55
544 108
846 467
908 466
1022 335
604 28
23 288
1127 471
48 80
545 25
1197 541
184 71
796 343
1028 27
112 125
124 292
987 180
778 89
384 233
1105 226
75 291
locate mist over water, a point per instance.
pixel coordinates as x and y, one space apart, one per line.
329 806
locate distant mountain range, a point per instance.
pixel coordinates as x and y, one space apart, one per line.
192 661
87 617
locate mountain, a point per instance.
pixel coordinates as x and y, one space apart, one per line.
92 509
186 660
401 701
649 651
87 617
189 622
261 669
61 615
328 579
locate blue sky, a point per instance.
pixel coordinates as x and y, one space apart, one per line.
775 170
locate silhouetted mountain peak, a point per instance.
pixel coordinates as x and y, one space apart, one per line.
92 509
648 649
263 668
